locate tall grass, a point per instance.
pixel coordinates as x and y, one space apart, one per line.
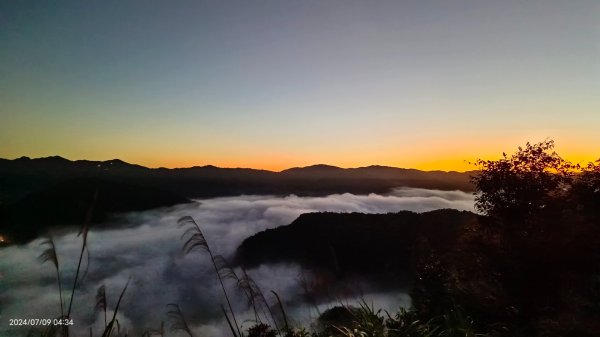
196 240
49 255
84 233
406 323
110 327
285 320
101 301
178 322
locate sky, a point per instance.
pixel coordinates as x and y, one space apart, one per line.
284 83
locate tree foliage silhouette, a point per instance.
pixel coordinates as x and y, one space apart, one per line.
541 238
521 190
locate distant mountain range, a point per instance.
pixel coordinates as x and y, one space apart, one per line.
36 193
22 176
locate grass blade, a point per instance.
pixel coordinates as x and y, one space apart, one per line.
109 328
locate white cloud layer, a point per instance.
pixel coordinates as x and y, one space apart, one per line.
147 247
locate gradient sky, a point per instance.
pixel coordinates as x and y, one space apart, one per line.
276 84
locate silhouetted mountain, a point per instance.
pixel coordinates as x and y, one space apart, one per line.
357 244
319 169
68 203
37 193
22 176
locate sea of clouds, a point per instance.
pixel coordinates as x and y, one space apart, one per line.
146 246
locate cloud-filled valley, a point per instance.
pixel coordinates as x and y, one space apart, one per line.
147 246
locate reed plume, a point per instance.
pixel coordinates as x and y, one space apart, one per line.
49 255
84 233
197 240
101 301
178 322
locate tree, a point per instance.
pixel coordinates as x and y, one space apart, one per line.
586 192
543 212
520 190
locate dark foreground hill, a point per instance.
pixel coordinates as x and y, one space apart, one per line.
375 246
71 202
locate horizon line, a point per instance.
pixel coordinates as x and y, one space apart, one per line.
232 167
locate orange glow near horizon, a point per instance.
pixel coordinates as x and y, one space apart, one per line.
442 164
427 152
451 158
458 154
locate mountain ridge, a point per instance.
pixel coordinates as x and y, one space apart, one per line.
24 175
26 184
58 159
